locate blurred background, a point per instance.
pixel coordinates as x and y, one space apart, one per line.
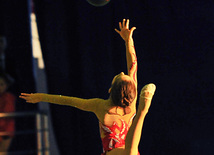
81 53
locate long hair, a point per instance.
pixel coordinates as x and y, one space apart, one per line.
123 92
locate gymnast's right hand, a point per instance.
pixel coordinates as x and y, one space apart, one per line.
31 98
124 31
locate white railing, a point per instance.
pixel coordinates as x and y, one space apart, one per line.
41 131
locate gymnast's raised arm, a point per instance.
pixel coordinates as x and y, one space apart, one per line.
131 58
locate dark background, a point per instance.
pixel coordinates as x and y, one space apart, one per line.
82 53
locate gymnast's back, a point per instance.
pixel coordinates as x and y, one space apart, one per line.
114 122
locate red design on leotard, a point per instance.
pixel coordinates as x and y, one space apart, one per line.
112 138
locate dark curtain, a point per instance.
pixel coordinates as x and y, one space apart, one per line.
82 53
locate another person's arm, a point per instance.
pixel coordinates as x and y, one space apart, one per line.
91 105
131 57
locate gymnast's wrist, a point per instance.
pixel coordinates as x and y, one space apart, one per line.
129 41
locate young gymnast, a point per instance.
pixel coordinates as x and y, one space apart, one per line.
115 114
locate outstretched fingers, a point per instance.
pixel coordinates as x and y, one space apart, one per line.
117 31
127 23
120 26
26 97
124 23
25 94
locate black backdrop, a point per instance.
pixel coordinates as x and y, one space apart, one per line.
82 53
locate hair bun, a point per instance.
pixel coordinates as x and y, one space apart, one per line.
125 102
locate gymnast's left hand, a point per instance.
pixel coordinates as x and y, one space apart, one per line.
31 98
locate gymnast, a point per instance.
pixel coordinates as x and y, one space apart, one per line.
120 134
